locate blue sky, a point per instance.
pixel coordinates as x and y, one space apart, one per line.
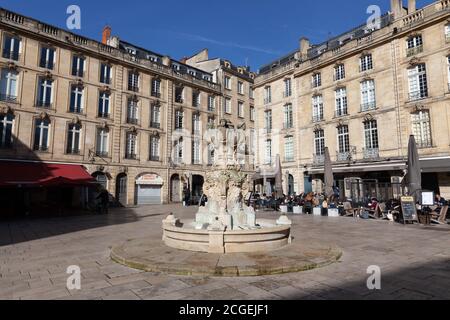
253 31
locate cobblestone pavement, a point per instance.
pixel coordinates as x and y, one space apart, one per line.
35 254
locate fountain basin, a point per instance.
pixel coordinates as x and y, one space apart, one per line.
267 238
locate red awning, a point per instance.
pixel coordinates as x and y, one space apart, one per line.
26 174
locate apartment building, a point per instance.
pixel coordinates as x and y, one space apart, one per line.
131 117
236 102
362 94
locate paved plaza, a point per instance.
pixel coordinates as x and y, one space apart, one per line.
35 254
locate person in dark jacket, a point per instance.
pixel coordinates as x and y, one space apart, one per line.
103 196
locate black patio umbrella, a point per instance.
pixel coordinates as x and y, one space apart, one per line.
328 171
414 174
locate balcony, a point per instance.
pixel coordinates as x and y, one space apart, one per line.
156 94
288 126
130 156
133 88
413 51
73 151
267 100
289 159
319 159
44 104
287 94
371 153
179 100
340 113
316 85
75 110
317 118
368 106
423 144
154 158
417 95
132 121
40 148
343 156
155 125
8 98
103 115
102 154
11 55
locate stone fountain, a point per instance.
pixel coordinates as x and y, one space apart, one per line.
226 224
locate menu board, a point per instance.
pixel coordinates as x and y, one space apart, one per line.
409 209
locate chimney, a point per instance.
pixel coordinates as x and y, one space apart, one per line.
411 6
106 35
397 8
304 47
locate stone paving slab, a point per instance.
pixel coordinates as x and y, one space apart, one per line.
152 255
35 253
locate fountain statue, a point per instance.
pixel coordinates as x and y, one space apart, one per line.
226 186
226 223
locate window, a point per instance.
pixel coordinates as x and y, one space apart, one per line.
227 82
267 95
154 148
102 142
211 103
196 99
343 140
103 104
155 121
76 99
252 113
288 117
179 117
268 121
228 105
105 73
8 85
448 71
41 134
252 143
196 151
268 159
48 56
319 142
78 66
11 47
366 63
196 124
179 94
251 93
289 149
179 154
241 110
368 101
414 45
45 88
131 139
341 102
421 128
447 32
156 88
73 139
211 154
317 102
287 88
339 72
418 87
132 111
371 134
211 121
240 87
6 130
316 80
133 81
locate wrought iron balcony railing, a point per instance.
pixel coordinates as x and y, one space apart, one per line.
319 159
418 95
343 156
102 154
368 106
8 98
413 51
371 153
155 125
44 104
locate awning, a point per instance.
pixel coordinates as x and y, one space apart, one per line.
27 174
437 164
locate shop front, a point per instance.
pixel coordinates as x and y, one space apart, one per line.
149 189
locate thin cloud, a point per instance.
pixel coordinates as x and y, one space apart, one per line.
193 37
